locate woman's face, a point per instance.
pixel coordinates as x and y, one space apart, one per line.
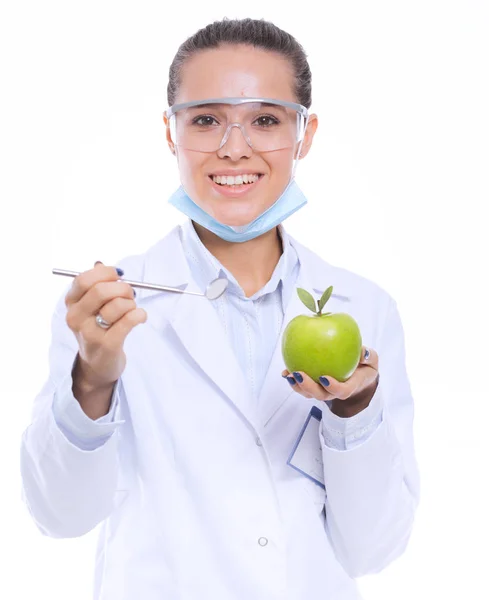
236 71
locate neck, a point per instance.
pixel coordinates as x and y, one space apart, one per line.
252 263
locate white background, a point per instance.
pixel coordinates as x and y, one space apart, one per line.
397 182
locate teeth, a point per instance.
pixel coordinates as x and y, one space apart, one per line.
238 180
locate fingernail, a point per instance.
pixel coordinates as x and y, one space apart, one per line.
298 376
120 272
134 292
367 353
324 381
291 380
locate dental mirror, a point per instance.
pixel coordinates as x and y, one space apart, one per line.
214 290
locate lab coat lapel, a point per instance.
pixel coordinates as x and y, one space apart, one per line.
315 276
194 320
200 330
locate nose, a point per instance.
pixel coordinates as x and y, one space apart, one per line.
235 143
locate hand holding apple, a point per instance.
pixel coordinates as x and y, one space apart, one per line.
350 397
325 355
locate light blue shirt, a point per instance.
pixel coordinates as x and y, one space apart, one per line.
252 324
253 327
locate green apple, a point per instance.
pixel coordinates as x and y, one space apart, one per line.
322 344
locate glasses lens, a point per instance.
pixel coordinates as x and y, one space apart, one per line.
265 127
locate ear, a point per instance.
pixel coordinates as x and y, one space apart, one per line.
171 145
311 128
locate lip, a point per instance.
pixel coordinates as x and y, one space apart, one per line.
234 192
233 173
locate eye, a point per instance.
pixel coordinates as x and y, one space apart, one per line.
204 121
266 121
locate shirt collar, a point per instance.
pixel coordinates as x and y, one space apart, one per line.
205 267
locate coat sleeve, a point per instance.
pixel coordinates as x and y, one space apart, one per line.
373 487
69 463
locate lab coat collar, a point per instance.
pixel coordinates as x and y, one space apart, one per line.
205 267
165 263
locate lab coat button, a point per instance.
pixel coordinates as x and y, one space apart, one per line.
258 441
263 541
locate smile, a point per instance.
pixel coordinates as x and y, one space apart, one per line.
229 185
238 180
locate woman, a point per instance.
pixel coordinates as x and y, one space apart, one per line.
180 437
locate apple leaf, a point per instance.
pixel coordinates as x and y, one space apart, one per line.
307 299
325 297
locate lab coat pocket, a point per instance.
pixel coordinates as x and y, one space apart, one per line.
316 493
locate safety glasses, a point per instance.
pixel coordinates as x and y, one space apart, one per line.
266 124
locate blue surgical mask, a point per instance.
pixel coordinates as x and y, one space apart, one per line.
288 203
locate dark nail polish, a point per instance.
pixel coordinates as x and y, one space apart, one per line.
324 381
120 272
291 380
367 354
298 376
134 292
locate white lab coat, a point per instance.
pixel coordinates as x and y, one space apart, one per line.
193 490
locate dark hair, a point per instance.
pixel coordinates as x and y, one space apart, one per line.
253 32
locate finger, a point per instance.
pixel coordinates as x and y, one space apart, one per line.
118 327
298 387
95 298
362 377
83 282
338 389
102 293
118 332
287 375
308 386
369 357
115 309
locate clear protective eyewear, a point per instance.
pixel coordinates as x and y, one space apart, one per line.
266 124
